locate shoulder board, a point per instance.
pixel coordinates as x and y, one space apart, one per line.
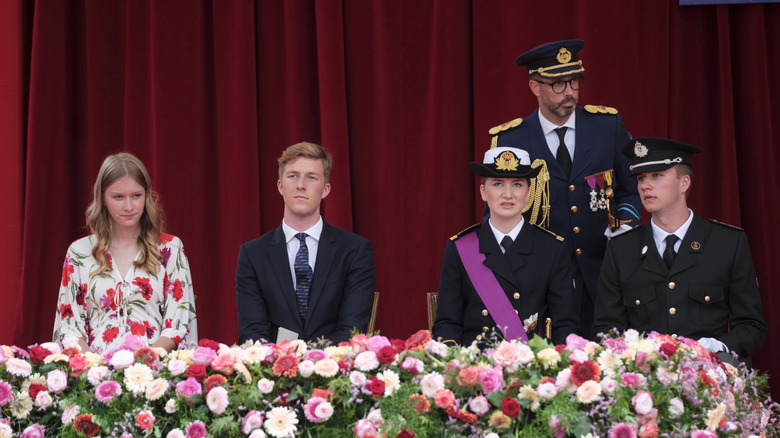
505 126
638 227
466 231
726 225
600 109
549 232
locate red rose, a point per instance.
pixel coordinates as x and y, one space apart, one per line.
668 349
386 354
78 365
208 343
376 387
110 334
35 388
346 363
197 372
83 423
510 407
38 354
399 345
405 433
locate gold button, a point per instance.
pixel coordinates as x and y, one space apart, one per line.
485 329
707 298
672 311
484 312
479 337
578 251
576 230
671 285
516 295
573 208
571 188
638 302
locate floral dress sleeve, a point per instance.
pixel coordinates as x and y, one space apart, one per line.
71 318
178 305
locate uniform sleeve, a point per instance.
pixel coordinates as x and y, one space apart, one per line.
358 295
71 312
609 309
746 320
180 323
452 300
629 204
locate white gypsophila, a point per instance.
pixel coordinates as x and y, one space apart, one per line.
392 381
171 406
177 366
137 377
357 379
366 361
431 383
56 381
122 359
265 386
97 374
306 368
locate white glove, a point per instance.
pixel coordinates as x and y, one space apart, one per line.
713 345
608 233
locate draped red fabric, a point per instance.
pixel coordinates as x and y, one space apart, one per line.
401 92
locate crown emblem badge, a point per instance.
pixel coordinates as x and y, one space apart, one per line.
564 55
507 161
640 150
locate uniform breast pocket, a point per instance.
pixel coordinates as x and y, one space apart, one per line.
640 303
708 304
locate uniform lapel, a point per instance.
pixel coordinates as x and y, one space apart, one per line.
326 250
281 263
652 261
691 246
522 245
583 147
494 258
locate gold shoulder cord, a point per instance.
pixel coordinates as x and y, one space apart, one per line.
539 195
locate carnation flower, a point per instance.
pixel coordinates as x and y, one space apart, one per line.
622 430
306 368
265 386
56 381
392 381
253 420
280 422
122 359
588 392
642 402
326 368
364 428
431 384
357 379
107 391
418 340
703 434
412 364
608 385
547 390
137 376
548 357
633 380
156 389
436 348
444 398
6 393
375 343
145 419
69 413
196 429
366 361
585 371
491 379
217 400
479 405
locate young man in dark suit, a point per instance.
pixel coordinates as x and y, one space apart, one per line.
681 274
306 277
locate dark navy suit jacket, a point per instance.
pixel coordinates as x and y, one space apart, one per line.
341 293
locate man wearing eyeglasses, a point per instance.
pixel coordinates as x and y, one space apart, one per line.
591 195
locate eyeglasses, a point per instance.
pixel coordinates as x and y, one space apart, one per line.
560 86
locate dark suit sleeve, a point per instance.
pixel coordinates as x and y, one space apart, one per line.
253 322
561 296
746 320
609 309
452 298
358 294
626 195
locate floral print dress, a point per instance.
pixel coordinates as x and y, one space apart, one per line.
102 309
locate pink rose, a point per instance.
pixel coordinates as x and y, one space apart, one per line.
491 379
642 402
412 364
224 363
444 398
468 376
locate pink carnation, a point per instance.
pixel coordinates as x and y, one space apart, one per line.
622 430
491 379
633 380
107 391
6 392
196 429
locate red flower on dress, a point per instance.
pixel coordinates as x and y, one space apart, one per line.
67 270
83 423
110 334
165 238
137 329
81 293
144 286
168 323
582 372
178 292
66 311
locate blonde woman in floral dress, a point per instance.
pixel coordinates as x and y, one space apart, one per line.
127 276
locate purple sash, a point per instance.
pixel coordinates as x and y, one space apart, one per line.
486 285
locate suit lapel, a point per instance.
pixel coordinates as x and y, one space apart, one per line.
652 260
326 250
494 258
583 148
691 246
522 245
281 263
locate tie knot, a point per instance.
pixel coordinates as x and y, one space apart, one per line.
506 242
671 239
561 132
301 237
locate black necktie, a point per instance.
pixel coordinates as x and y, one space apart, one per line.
562 155
669 251
303 274
506 242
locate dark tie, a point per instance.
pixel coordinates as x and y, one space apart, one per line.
669 251
303 274
506 242
562 155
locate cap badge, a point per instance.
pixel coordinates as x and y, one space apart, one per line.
564 55
640 150
507 161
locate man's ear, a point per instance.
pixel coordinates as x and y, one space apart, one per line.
325 190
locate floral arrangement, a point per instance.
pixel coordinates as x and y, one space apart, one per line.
626 386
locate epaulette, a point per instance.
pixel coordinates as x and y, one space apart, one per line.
600 109
549 232
733 227
505 126
469 229
638 227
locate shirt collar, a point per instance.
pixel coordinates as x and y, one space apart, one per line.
659 235
314 232
548 126
512 233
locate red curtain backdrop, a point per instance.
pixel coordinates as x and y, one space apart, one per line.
402 92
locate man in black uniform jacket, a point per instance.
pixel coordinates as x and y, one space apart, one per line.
681 274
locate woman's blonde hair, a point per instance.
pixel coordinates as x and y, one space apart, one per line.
116 167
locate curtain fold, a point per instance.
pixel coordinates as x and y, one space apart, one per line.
402 93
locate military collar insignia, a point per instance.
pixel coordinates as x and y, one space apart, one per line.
507 161
695 246
640 150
